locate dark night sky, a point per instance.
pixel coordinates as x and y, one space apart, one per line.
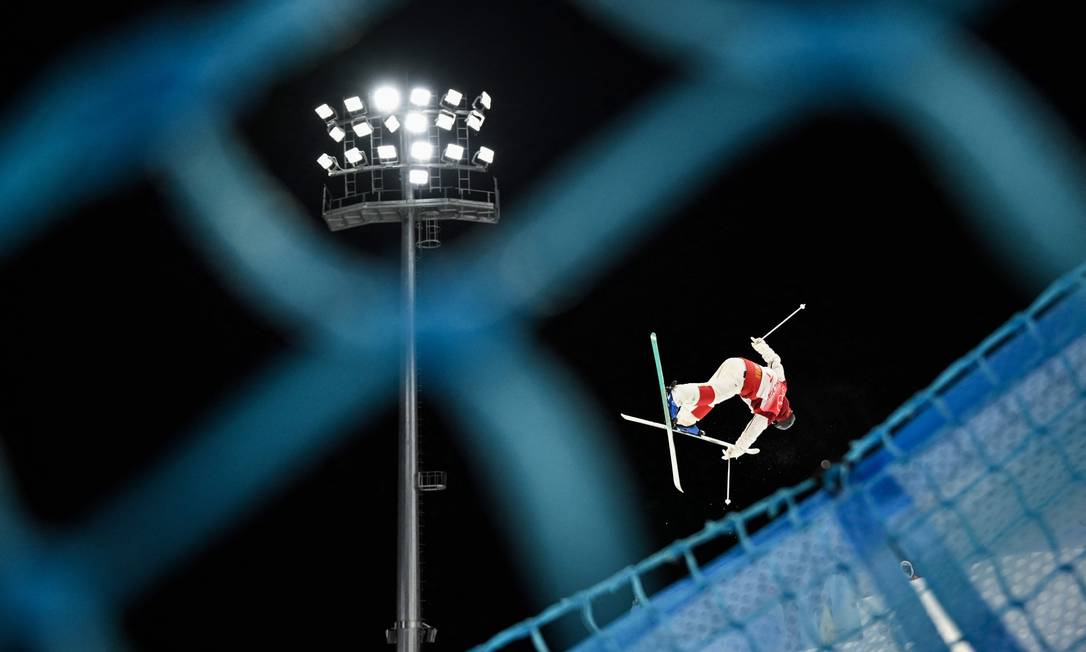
116 338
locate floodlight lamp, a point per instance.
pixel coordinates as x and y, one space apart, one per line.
445 120
452 98
415 122
325 112
482 102
422 150
354 104
420 97
418 176
362 128
392 124
386 152
327 162
386 99
484 155
475 120
454 152
355 156
337 134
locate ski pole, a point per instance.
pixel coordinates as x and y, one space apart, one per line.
728 496
801 307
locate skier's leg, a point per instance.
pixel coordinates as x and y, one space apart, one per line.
728 379
695 400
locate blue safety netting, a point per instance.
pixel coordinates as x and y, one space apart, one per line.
978 481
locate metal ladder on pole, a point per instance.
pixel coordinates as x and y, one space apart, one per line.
434 135
378 176
428 229
349 182
463 176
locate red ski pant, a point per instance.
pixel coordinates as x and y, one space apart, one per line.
695 400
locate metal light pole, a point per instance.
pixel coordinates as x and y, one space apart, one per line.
409 588
422 193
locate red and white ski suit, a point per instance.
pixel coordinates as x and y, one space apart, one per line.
762 388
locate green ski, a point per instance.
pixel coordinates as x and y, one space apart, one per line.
667 413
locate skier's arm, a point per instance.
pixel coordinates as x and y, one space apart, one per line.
755 427
772 360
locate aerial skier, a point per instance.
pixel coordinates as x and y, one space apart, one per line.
762 387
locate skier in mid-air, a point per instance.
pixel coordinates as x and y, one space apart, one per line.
762 388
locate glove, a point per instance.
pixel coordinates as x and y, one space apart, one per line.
759 345
733 453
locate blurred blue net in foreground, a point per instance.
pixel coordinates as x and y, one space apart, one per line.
978 482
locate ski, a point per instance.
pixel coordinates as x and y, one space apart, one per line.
703 437
667 414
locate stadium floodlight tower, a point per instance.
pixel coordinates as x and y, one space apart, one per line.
409 160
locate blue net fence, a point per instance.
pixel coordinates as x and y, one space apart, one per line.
978 482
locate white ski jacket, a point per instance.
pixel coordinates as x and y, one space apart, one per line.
772 378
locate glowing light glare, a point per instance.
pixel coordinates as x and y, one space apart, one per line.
454 152
418 176
482 101
415 122
326 161
420 97
386 99
392 124
386 152
475 120
354 104
337 134
362 128
355 156
422 150
325 112
452 98
445 120
485 154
